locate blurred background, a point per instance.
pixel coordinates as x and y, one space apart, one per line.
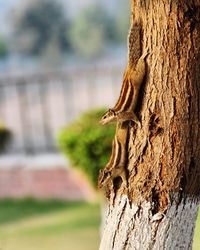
61 65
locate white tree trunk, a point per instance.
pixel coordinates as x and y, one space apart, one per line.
134 228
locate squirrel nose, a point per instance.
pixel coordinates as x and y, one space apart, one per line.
101 121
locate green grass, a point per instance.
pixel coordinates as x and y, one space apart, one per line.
13 210
196 241
53 225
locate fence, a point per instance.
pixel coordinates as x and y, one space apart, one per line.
36 106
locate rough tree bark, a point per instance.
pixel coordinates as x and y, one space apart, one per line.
160 209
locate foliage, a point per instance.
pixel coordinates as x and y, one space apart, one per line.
3 48
43 22
44 25
90 31
87 144
94 29
5 136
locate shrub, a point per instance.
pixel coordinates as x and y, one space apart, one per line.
5 136
87 144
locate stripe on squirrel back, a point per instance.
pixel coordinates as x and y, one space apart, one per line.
123 92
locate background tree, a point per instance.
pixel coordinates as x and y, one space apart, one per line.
91 30
3 48
159 209
122 21
42 23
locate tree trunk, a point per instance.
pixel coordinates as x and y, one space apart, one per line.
160 208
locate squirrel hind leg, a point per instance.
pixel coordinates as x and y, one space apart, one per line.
103 178
120 177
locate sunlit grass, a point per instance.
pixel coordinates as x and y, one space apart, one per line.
13 210
64 226
196 242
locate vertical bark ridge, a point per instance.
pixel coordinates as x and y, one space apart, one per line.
166 139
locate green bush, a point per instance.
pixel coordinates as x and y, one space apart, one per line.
87 144
5 136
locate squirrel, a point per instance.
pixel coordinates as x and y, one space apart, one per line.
116 167
127 102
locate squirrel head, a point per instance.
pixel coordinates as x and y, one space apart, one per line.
109 116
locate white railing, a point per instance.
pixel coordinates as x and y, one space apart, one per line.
35 106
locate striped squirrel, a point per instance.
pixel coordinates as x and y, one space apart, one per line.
127 102
116 167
